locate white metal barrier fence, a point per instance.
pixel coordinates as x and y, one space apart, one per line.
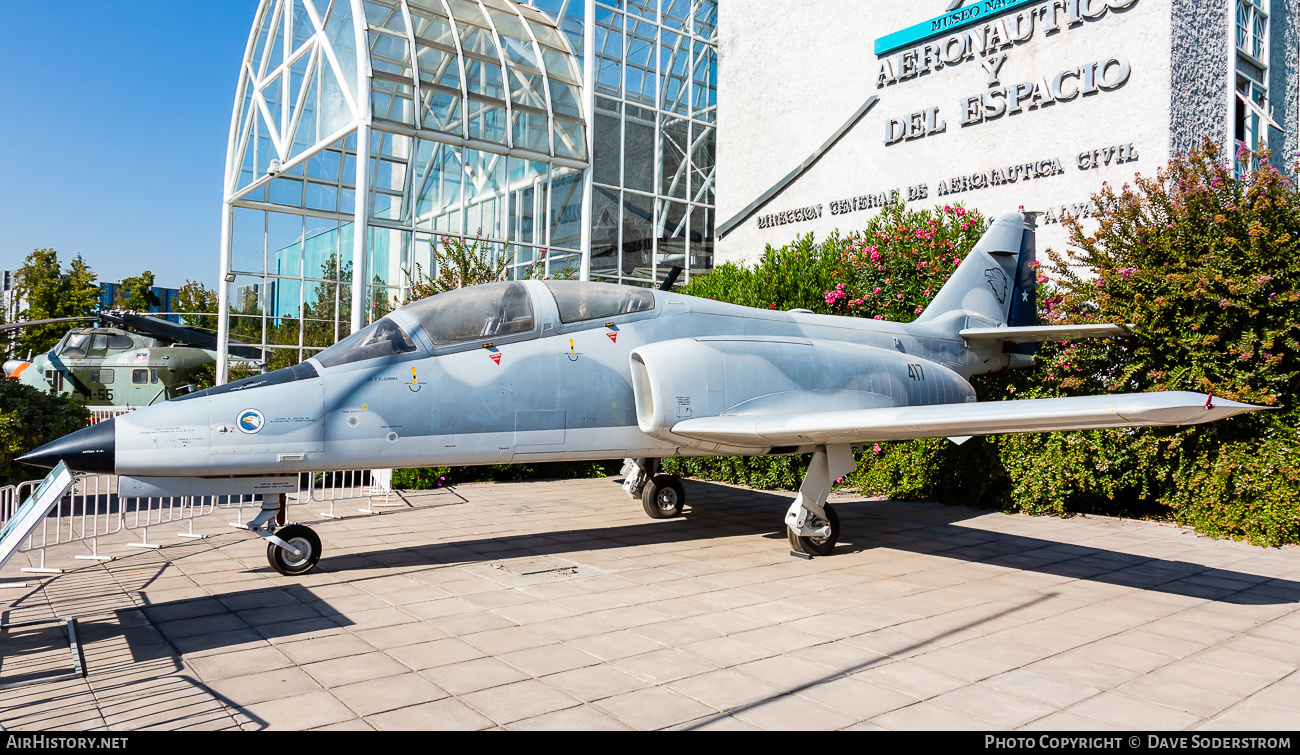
100 413
92 509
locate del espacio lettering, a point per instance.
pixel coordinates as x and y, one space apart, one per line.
1089 78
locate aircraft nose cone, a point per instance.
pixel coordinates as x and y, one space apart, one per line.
88 450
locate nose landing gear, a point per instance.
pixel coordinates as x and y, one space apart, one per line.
292 549
303 540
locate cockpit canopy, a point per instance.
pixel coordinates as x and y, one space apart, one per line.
478 312
484 313
78 344
384 338
580 301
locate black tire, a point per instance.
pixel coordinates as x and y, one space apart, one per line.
817 546
285 562
663 497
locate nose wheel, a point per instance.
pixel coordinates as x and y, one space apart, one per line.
663 497
301 539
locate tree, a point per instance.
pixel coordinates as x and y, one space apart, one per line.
137 293
30 418
47 292
198 298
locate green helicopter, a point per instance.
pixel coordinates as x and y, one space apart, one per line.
125 360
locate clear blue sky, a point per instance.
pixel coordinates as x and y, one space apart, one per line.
113 129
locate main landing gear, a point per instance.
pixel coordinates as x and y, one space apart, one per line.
662 496
292 549
812 525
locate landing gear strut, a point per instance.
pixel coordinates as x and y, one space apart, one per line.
662 496
812 525
291 549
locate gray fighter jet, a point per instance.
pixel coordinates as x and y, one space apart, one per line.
526 371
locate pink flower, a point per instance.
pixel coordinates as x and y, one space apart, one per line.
888 281
876 450
878 317
917 311
1223 303
876 290
927 292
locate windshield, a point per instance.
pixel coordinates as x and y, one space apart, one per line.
382 339
75 346
467 314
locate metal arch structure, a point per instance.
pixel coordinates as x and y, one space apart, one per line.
337 100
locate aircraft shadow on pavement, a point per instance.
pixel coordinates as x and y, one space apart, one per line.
715 510
132 655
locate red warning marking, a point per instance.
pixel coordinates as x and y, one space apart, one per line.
613 337
496 358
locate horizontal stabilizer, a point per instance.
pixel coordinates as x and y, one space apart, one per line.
1040 333
956 420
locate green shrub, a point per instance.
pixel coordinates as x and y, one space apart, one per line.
428 478
29 419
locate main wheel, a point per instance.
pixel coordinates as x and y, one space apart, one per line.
663 497
305 540
817 545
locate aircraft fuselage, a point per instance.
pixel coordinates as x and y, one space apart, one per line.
556 392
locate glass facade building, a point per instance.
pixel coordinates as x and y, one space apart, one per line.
564 133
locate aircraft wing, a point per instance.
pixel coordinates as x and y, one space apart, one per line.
1039 333
961 420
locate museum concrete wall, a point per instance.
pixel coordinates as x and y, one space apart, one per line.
793 71
1286 79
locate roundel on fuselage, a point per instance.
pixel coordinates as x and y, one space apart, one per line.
250 421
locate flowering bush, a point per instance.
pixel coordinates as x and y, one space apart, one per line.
1204 267
894 267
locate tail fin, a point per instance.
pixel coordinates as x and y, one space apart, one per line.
994 286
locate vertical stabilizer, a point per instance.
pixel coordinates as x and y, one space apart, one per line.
982 290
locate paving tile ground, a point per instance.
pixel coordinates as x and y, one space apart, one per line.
559 606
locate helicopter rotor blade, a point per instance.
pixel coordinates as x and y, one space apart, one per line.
172 332
52 321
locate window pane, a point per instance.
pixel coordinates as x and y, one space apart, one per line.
604 231
566 206
639 149
638 227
